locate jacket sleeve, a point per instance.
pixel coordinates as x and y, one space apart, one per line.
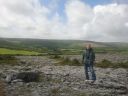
83 56
93 56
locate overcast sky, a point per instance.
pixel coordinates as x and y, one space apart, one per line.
95 20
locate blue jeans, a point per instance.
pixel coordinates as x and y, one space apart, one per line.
89 71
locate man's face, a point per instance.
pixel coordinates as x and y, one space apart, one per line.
88 46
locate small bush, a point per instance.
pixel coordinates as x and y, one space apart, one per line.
76 62
68 61
65 61
55 57
55 92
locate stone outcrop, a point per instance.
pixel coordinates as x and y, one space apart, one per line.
23 76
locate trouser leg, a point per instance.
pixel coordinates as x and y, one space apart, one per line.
86 72
93 75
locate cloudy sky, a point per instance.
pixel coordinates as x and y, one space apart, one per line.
98 20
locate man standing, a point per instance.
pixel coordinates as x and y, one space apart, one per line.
88 61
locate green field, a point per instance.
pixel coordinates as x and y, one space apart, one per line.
17 52
62 47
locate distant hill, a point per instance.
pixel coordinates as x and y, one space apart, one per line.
53 44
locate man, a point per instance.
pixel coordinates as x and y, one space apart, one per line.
88 61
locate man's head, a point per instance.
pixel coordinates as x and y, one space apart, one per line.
88 46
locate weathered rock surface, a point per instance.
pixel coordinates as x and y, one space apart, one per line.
64 80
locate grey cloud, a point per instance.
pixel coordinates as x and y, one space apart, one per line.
120 1
28 19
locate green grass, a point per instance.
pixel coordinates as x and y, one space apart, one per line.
4 51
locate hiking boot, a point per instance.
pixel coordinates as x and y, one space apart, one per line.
91 81
86 80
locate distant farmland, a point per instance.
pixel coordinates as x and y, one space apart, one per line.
4 51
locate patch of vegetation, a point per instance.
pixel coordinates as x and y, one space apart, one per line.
104 64
17 52
54 56
8 59
2 89
71 51
67 61
55 92
82 94
68 90
76 62
55 51
122 65
108 64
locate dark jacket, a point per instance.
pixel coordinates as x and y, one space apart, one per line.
88 55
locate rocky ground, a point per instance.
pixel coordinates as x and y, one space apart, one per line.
63 80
